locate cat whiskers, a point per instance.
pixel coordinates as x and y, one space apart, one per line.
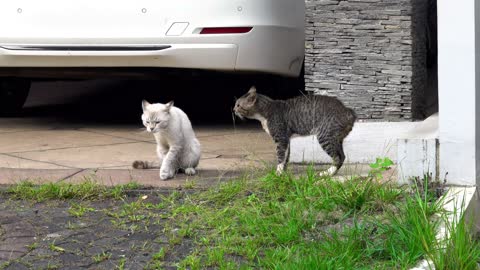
142 131
233 120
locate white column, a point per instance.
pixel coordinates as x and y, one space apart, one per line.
457 90
477 89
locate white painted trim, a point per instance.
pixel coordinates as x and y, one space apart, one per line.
367 141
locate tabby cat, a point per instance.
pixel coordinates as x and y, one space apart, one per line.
323 116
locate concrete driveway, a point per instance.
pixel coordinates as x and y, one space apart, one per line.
45 150
66 134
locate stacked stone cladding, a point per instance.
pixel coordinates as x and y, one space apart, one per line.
368 53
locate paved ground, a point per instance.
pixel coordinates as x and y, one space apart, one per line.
32 149
48 236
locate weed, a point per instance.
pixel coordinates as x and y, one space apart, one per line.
160 255
432 189
52 266
101 257
189 184
78 209
459 249
121 264
379 166
55 248
32 246
192 262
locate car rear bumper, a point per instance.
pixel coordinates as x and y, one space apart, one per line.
176 56
274 45
264 49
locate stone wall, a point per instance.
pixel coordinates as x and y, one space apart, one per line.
369 53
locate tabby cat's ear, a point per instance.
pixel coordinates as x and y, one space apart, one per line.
252 95
168 106
145 104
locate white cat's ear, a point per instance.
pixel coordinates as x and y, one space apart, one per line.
253 90
145 104
168 106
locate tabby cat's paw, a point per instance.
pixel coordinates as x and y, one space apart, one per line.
280 168
330 172
190 171
166 174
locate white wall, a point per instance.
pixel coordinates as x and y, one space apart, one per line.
368 141
457 87
477 98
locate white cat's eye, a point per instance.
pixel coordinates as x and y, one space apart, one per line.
153 122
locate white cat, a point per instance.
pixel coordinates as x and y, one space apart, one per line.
177 146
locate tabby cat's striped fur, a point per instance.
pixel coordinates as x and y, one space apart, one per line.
323 116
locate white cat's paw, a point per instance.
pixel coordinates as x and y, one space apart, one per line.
190 171
166 174
331 171
280 168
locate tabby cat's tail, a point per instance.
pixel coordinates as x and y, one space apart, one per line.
140 164
353 115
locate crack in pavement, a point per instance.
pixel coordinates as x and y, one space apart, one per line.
29 159
116 136
63 148
70 176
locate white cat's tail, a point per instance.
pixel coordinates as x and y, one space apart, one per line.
140 164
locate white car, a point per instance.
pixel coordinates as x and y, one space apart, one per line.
37 37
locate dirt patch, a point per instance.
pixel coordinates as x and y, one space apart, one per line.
59 235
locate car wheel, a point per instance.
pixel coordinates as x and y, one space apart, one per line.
13 94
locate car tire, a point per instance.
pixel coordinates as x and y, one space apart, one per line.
13 94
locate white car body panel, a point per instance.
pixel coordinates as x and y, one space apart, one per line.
274 45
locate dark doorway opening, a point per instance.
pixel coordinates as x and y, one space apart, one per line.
425 59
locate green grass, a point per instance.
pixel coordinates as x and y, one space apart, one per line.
288 222
87 190
55 248
101 257
121 264
284 222
460 249
79 209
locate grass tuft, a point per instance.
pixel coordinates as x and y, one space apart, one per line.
87 190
